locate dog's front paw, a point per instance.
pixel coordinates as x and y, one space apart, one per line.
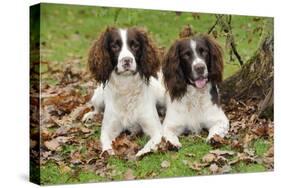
216 133
151 146
143 152
88 117
173 142
173 145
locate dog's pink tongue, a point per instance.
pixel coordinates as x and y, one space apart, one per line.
200 83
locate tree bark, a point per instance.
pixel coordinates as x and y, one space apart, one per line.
255 79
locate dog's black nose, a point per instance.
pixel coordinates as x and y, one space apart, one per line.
126 62
199 68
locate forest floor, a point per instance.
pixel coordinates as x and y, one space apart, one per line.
70 150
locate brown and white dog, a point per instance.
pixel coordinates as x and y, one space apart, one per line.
192 68
126 62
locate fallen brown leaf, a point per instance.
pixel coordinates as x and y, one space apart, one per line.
196 165
214 168
209 158
77 113
237 145
217 141
52 144
222 152
165 164
65 169
129 175
63 130
270 152
124 147
75 157
85 130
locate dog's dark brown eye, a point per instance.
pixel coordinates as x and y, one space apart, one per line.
187 54
135 45
202 52
114 46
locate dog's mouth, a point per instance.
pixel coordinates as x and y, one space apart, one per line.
200 82
126 72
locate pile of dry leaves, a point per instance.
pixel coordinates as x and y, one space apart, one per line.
62 137
75 147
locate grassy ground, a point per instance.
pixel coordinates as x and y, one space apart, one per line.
194 148
66 34
67 31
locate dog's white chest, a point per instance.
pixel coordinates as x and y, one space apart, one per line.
127 107
191 110
126 98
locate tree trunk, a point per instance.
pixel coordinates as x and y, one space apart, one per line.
255 79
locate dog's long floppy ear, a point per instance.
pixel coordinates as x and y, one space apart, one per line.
216 59
99 61
174 79
149 63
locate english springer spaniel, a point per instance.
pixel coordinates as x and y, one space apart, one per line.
192 68
125 62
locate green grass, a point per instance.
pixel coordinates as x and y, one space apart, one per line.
67 31
194 148
150 164
243 168
66 34
261 146
51 173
